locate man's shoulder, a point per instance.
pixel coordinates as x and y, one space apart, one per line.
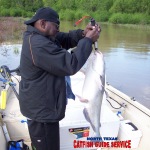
39 38
36 39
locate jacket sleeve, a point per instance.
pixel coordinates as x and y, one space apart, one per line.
58 61
69 40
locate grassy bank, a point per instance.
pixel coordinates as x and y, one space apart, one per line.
11 28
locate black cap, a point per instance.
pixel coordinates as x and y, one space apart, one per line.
45 13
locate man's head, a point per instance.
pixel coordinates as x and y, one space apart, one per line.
45 20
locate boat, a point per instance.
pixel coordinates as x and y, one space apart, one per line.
122 119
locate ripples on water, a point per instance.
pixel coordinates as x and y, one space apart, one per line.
127 58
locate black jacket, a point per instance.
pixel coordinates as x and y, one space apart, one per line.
43 67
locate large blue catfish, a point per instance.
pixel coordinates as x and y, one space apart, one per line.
93 90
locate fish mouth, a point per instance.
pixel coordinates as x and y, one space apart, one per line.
97 51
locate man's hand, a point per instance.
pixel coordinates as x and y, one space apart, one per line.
93 34
90 27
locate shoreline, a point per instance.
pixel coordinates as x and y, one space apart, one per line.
22 19
136 26
16 31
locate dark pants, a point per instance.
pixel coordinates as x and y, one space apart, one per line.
44 136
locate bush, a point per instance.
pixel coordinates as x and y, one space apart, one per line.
116 18
131 6
5 12
28 8
30 14
19 12
118 6
15 12
144 19
79 14
68 15
61 14
147 16
148 11
24 14
35 8
102 16
137 18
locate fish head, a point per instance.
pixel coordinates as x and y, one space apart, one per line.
98 63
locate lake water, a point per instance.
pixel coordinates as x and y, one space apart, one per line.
126 52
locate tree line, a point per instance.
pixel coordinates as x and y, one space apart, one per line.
116 11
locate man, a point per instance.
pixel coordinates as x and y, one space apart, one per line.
44 64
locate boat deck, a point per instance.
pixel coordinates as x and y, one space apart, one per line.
135 112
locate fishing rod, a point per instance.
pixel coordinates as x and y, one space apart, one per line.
92 23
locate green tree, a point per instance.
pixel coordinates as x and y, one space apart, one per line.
6 3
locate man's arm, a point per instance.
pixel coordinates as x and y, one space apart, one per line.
69 40
60 62
55 60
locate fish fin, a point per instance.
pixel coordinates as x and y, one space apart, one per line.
84 100
82 70
81 99
106 93
98 82
86 115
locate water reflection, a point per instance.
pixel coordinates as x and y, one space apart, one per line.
10 55
127 57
